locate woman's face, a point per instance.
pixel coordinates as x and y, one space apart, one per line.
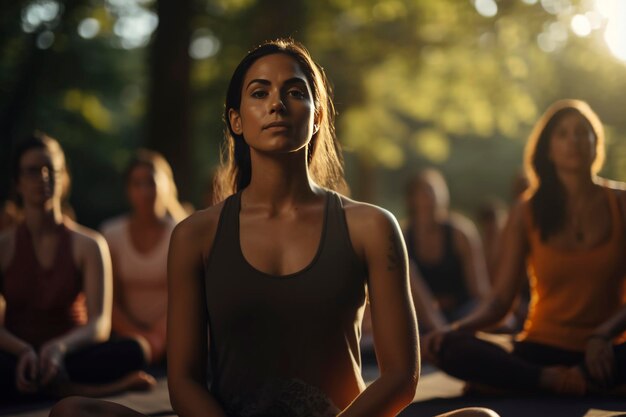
143 188
276 113
572 143
424 198
40 177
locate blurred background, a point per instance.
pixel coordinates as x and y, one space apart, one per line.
452 84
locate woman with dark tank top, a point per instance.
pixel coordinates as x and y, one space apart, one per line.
55 293
445 249
569 228
277 274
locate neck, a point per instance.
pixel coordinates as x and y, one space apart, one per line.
425 220
577 184
280 180
147 218
43 219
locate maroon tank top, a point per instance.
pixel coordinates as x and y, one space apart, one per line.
285 345
42 304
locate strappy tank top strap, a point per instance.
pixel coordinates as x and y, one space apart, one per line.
226 240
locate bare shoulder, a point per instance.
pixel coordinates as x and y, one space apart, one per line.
369 226
7 246
463 225
365 215
617 187
85 237
199 229
619 190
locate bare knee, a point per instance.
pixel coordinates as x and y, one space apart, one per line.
78 407
67 407
471 412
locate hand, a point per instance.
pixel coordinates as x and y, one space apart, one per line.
600 360
26 371
51 360
431 344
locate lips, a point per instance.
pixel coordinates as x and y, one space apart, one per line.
278 124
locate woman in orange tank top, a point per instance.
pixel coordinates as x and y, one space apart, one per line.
570 230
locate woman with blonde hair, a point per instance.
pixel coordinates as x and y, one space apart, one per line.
139 243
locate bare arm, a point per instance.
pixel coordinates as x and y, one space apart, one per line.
8 342
378 236
95 263
428 312
91 253
468 244
122 322
508 282
187 320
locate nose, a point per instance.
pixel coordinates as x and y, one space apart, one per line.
277 105
45 174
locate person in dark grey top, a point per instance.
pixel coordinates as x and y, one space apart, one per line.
276 275
295 334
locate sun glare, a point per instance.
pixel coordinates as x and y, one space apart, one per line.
614 11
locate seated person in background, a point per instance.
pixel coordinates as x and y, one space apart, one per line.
139 243
277 273
445 249
55 282
571 229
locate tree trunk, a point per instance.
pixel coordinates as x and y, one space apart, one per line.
169 107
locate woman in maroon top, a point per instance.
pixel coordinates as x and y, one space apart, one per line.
55 292
284 320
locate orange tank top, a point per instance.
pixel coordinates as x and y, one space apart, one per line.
574 291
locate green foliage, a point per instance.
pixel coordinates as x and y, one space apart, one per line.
417 83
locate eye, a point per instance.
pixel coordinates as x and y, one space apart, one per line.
296 93
258 93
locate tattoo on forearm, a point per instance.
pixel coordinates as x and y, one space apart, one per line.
393 259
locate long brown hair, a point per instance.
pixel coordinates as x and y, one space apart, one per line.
547 194
323 151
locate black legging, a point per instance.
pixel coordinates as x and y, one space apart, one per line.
469 358
95 364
